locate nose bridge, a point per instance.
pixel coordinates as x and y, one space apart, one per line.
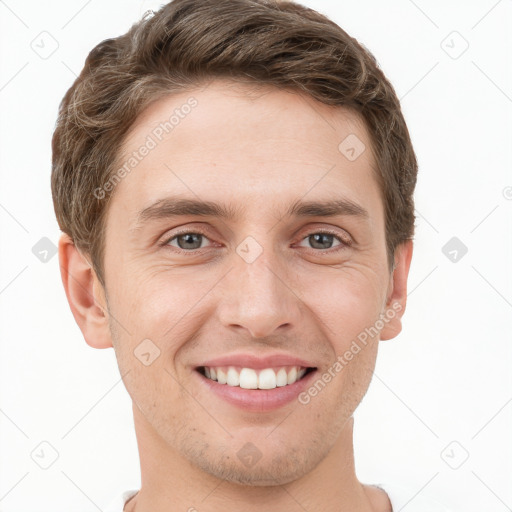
255 294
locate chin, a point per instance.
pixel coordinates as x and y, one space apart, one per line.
267 471
270 475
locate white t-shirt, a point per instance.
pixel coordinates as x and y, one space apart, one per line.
399 497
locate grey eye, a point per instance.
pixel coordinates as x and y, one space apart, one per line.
322 240
188 240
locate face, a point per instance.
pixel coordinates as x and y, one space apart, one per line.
280 264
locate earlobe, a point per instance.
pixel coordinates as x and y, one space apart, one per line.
85 294
397 298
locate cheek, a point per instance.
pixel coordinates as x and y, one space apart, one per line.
151 322
158 314
346 301
159 298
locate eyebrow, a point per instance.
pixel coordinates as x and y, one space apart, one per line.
178 207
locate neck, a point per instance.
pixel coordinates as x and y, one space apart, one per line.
169 482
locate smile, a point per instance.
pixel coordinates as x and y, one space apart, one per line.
250 378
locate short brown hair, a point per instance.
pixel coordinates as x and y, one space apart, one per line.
187 42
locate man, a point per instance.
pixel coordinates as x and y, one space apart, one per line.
234 180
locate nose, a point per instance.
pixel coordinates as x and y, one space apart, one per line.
258 296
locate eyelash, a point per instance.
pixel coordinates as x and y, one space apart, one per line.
344 244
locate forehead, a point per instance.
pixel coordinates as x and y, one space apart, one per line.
246 142
223 106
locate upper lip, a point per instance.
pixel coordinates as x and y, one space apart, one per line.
258 362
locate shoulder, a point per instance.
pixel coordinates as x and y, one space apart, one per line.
117 504
400 496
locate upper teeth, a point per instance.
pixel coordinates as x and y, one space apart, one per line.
248 378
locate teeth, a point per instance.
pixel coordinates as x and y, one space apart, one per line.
248 378
281 378
222 377
292 375
233 377
267 379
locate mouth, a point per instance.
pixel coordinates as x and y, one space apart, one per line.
258 383
255 378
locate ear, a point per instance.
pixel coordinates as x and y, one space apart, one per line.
85 294
397 292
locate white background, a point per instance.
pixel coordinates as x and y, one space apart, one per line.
445 379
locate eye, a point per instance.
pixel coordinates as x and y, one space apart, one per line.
323 240
187 241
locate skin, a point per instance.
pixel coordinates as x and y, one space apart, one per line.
260 151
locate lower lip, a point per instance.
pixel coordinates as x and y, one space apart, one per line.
258 400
